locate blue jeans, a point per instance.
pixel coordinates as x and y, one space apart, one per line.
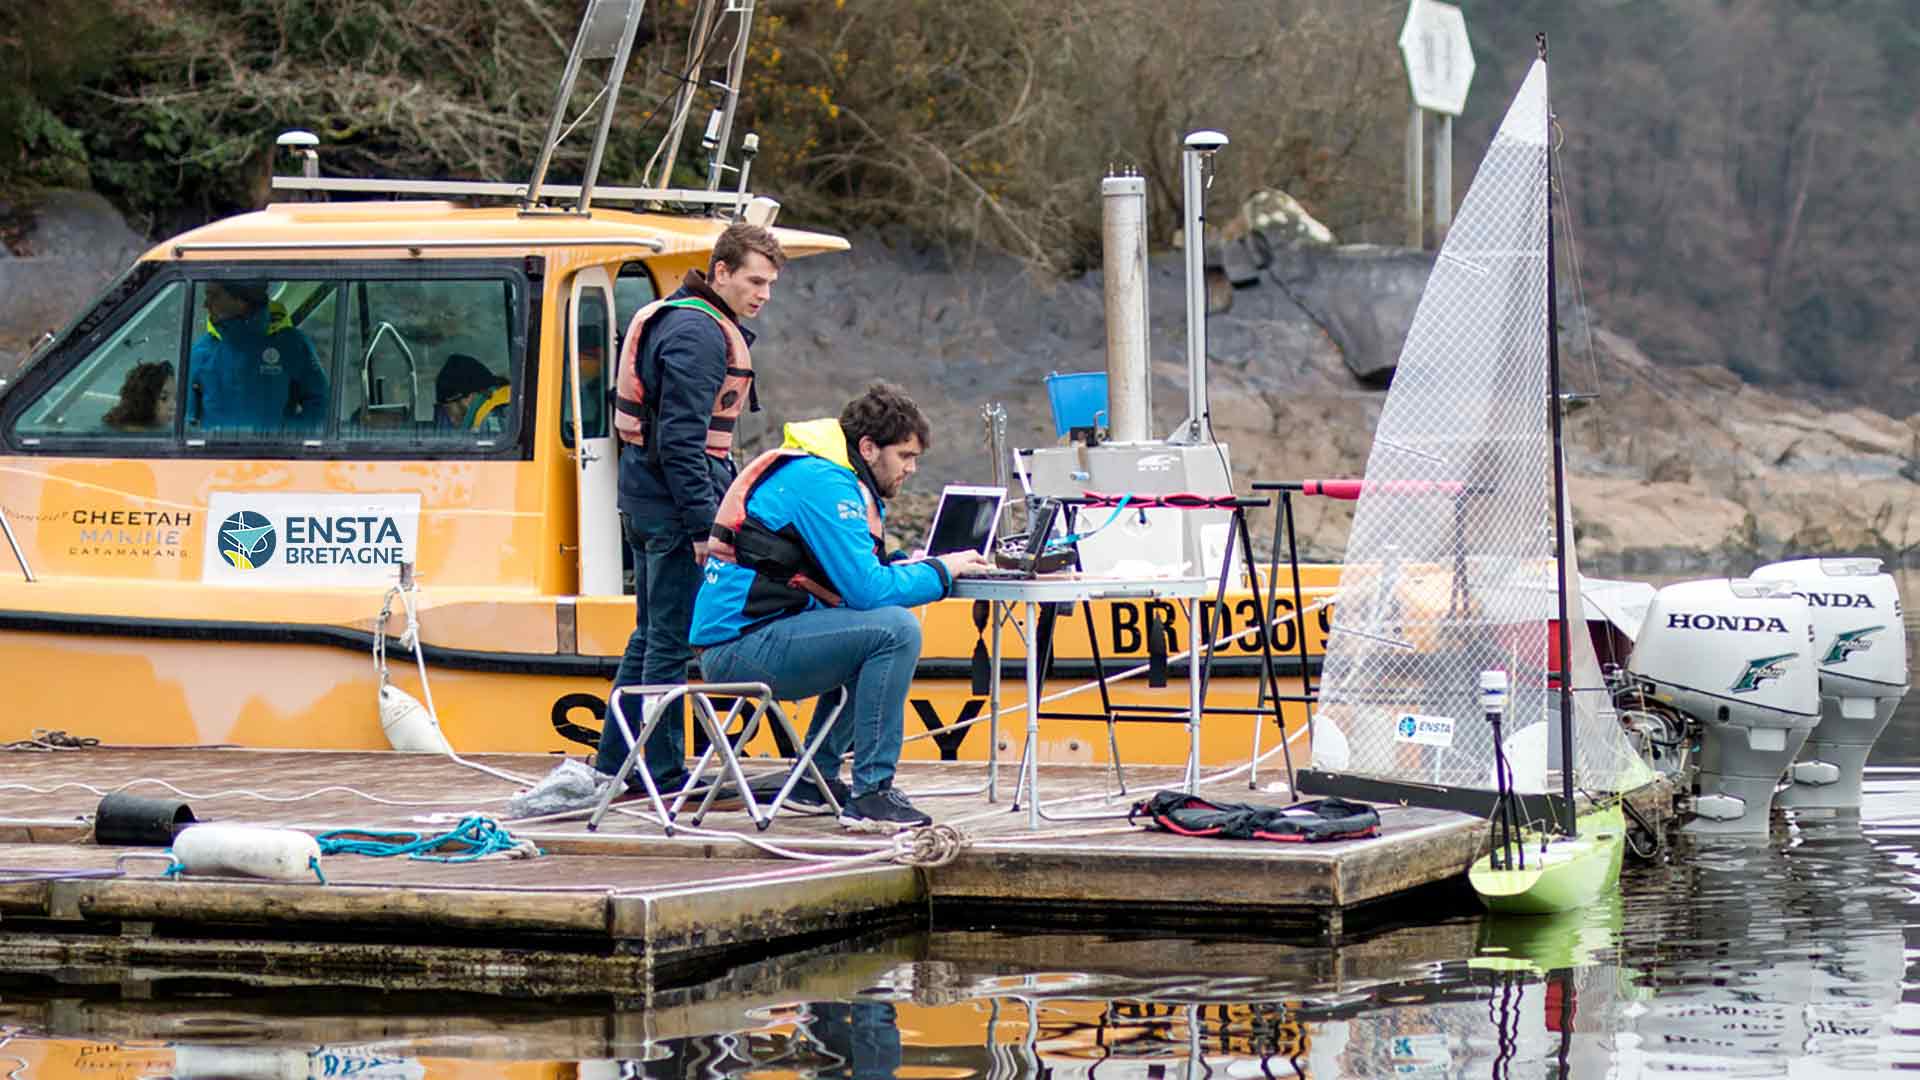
665 578
871 653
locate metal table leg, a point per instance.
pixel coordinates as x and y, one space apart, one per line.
995 612
1030 758
1192 782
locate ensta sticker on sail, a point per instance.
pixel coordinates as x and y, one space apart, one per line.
1424 730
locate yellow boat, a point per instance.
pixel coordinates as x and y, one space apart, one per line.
208 577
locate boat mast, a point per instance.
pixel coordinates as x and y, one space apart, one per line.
1561 537
716 142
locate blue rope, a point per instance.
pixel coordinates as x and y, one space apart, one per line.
481 837
1075 537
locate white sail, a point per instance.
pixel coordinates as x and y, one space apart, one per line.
1450 568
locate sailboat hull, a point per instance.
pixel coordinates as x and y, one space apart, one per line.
1569 874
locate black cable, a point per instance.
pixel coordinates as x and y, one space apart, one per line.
1652 835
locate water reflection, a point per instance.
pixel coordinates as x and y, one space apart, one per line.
1786 956
1775 956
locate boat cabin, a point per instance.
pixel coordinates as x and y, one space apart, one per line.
407 394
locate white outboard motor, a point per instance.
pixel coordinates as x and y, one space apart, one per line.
1860 645
1734 656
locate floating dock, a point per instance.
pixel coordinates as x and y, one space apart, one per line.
630 907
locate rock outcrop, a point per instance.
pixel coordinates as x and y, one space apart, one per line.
66 246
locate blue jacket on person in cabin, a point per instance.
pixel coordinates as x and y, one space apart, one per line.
255 373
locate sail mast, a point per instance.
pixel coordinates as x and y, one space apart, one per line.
1562 535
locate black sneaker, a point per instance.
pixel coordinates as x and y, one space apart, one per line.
667 785
805 798
881 810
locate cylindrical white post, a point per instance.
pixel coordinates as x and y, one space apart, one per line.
1201 145
1443 179
1416 184
1123 221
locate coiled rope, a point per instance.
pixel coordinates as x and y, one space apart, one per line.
930 845
480 837
47 740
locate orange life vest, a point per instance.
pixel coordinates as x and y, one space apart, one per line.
631 415
781 559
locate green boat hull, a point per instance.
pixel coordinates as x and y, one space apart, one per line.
1570 874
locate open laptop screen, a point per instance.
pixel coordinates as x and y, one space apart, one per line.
965 520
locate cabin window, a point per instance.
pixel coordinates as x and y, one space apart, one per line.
126 388
253 374
348 361
632 290
594 400
430 363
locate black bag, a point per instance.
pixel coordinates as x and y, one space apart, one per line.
1303 822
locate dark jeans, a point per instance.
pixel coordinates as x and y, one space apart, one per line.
871 653
865 1035
665 578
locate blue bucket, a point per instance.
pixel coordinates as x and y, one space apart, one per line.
1078 399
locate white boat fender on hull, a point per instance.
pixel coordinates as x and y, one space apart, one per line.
407 723
246 851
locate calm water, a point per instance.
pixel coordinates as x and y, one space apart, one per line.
1787 958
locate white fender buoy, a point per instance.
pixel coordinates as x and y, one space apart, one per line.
197 1062
247 851
407 723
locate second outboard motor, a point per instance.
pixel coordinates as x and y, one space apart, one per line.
1734 657
1860 646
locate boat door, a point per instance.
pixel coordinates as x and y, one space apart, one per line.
590 357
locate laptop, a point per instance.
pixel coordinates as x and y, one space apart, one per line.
967 519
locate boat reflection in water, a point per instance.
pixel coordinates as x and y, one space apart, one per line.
1538 995
1734 957
1782 956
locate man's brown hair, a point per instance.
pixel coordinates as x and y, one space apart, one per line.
739 240
886 415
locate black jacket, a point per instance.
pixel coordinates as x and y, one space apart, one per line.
683 360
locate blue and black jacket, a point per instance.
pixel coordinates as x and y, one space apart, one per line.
255 373
800 530
682 363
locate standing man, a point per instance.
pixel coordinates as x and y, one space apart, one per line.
685 376
251 371
799 593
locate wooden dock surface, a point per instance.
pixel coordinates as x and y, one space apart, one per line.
629 904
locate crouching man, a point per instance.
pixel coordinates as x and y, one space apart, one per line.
798 592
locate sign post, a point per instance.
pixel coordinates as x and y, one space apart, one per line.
1439 59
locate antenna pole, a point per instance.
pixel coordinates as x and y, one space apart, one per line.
736 70
1562 535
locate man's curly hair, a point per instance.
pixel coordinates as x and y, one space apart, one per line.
886 415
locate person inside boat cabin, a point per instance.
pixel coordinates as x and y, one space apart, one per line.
252 371
799 593
470 396
146 400
684 377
